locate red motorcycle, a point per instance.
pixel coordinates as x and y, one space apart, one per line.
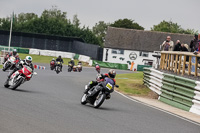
52 65
97 67
19 77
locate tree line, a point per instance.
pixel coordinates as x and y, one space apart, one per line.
55 22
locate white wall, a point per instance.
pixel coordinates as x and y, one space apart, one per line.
137 61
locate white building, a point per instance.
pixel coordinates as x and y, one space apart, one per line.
128 56
129 45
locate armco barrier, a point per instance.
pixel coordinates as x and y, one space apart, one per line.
174 90
110 65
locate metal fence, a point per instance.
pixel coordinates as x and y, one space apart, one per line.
47 42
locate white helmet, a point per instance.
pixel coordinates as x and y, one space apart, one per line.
28 59
72 58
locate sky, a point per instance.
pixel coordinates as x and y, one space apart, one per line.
145 12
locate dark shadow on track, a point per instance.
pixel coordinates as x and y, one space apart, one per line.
101 108
26 91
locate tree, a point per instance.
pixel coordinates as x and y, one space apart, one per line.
51 22
76 21
99 30
127 23
169 26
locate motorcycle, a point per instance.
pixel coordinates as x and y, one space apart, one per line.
75 68
97 94
97 67
69 67
10 63
79 67
19 77
58 67
52 65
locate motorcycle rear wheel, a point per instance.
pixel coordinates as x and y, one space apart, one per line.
100 99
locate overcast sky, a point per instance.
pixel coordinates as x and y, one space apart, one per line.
145 12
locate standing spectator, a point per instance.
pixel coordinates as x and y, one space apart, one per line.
168 45
177 46
194 45
184 47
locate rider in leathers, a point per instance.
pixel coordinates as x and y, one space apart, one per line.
111 74
27 61
59 59
14 54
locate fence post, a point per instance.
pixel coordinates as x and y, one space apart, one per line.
166 61
172 63
163 61
184 61
179 66
169 62
189 65
196 66
176 62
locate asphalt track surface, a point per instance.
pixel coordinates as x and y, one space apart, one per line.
50 103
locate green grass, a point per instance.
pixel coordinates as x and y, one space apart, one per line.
46 59
132 84
1 66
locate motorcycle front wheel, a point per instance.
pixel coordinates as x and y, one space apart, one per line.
99 100
17 84
83 99
6 67
6 83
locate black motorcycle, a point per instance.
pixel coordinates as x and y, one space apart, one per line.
58 67
97 94
69 67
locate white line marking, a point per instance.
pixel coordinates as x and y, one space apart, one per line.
196 123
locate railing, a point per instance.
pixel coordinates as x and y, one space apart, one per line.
176 61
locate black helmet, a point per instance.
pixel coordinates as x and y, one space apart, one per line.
112 73
59 56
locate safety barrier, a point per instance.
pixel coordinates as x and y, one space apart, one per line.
39 67
19 49
174 90
110 65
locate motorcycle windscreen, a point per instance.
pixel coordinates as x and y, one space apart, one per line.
109 83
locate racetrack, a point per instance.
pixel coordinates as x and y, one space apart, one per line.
50 103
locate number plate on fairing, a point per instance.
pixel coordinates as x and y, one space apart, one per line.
109 86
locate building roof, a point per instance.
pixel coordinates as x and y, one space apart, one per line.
139 40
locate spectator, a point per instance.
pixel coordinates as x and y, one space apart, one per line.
194 45
168 45
184 47
177 46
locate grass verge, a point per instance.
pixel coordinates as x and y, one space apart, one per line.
47 59
1 66
132 84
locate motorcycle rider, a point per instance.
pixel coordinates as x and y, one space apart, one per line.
14 54
72 62
80 63
53 60
27 61
111 74
60 60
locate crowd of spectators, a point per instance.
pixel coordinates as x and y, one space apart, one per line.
168 45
